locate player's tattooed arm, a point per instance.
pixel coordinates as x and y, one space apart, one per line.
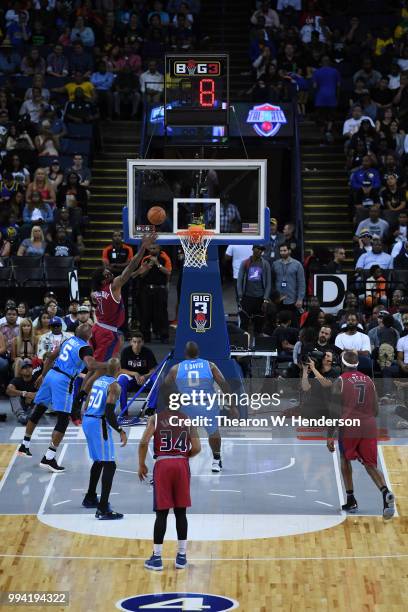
143 447
132 266
171 376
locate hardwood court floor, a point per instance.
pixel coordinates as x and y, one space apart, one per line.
358 566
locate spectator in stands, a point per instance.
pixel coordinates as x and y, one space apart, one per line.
46 143
21 391
10 329
48 342
375 256
392 196
9 186
326 81
401 100
79 81
151 83
365 196
71 319
18 171
374 225
33 63
9 59
375 287
5 247
83 33
18 32
270 16
182 38
351 125
382 95
74 196
73 229
33 246
35 108
400 262
36 211
102 80
398 369
336 266
285 336
18 140
81 109
354 340
82 171
43 324
366 172
63 247
368 73
137 363
57 63
290 239
23 346
55 174
41 184
80 61
126 91
84 314
23 311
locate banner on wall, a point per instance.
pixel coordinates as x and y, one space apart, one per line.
330 289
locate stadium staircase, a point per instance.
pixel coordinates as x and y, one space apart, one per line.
325 197
109 189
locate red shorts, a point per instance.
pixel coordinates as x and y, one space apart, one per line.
363 449
105 343
171 488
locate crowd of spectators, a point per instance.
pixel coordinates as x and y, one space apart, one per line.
65 67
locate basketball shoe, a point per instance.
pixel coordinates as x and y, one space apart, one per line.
155 563
389 505
23 451
181 561
216 465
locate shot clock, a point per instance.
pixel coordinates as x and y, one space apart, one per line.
196 90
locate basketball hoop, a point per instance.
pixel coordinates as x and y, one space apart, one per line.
195 241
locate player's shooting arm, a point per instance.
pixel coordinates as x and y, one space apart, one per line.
121 280
195 442
143 446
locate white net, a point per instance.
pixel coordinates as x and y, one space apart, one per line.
195 245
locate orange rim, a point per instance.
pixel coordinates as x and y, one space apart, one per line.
195 234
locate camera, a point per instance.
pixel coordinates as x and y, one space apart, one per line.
313 354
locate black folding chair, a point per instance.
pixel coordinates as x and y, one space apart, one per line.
57 269
28 271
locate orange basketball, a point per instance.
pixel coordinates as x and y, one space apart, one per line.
156 215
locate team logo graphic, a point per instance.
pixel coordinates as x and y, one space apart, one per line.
266 119
200 311
177 602
193 68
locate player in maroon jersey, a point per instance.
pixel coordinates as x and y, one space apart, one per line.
359 401
110 314
174 443
110 310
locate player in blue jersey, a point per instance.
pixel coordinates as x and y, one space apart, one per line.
199 375
61 367
98 423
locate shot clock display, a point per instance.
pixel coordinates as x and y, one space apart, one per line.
196 90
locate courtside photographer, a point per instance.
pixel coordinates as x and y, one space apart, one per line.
318 374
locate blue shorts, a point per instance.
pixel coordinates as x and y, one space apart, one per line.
99 449
55 391
201 411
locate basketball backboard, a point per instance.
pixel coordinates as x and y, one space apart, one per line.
227 196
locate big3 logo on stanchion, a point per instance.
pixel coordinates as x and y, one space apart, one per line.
200 311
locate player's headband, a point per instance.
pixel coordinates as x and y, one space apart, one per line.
347 364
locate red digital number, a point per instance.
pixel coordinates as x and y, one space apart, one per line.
207 92
213 68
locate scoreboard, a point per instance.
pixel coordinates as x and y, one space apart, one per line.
196 90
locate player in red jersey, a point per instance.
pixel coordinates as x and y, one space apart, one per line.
110 314
110 309
359 401
174 443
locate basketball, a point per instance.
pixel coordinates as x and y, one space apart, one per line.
156 215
